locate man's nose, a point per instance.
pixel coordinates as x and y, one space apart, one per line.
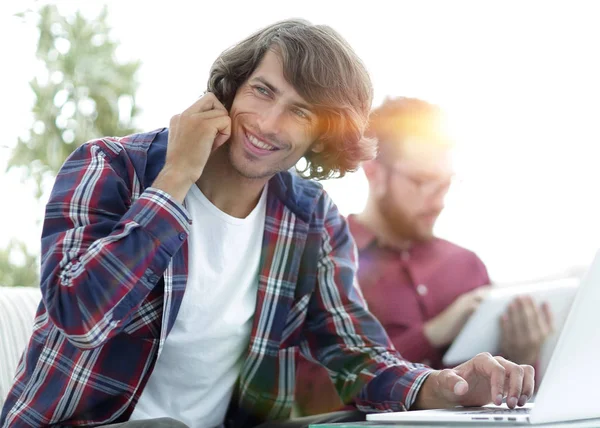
270 119
437 199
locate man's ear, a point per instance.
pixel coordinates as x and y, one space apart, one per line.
376 176
372 170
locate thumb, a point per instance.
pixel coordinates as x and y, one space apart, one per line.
453 383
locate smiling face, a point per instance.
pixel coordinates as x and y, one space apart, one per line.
272 126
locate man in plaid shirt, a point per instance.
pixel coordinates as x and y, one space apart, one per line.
184 269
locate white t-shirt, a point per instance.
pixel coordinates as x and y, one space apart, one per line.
194 376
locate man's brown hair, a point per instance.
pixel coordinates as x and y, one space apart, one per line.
397 119
326 72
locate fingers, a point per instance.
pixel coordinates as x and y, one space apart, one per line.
519 315
197 117
526 317
514 377
537 320
174 121
482 292
548 318
489 367
505 331
223 126
211 114
534 328
519 382
207 127
528 385
474 299
542 326
206 102
512 323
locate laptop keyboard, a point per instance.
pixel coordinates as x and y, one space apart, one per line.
492 411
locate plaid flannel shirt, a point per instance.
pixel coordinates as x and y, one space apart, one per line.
114 270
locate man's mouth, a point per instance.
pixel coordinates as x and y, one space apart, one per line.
430 217
259 144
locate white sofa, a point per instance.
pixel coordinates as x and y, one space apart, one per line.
17 311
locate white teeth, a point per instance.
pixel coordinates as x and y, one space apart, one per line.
257 143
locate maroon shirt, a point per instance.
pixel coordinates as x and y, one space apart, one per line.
404 289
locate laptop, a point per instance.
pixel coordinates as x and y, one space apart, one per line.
569 389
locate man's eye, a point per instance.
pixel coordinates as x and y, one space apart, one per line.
416 180
261 90
300 113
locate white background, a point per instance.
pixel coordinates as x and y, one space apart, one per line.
520 81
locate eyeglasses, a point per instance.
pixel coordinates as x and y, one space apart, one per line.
425 186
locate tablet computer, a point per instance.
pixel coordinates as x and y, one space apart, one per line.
481 332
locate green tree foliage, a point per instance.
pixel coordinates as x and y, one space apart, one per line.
83 92
23 272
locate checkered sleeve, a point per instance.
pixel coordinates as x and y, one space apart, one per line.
343 336
103 249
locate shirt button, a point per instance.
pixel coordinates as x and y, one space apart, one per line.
422 289
152 278
182 236
405 255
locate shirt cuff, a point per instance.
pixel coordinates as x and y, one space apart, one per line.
165 219
393 390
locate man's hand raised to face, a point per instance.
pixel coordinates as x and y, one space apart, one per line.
193 136
477 382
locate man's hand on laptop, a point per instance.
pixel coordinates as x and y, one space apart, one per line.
481 380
